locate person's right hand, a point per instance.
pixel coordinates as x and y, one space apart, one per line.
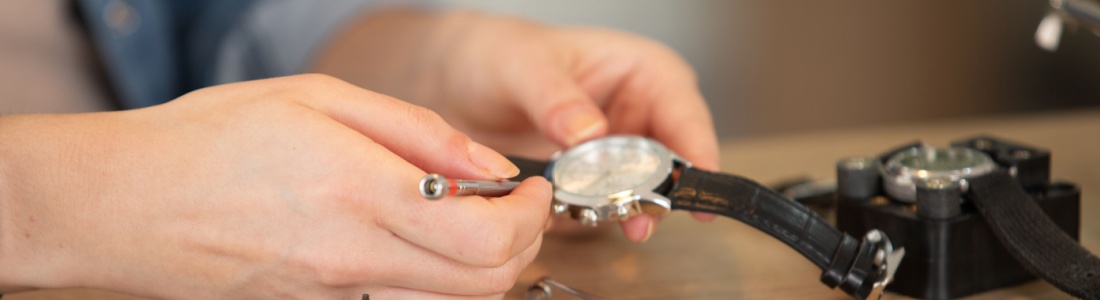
296 187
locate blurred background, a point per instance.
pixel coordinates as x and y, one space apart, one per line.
766 67
780 66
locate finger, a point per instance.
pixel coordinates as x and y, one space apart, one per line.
395 262
687 129
472 230
680 118
403 293
551 98
416 134
682 124
702 216
639 228
415 268
458 279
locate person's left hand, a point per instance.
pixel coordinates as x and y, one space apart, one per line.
530 89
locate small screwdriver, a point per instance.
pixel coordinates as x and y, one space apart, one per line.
435 186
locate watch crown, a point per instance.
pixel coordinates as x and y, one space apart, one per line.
589 217
560 208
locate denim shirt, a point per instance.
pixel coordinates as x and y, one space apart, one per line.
155 51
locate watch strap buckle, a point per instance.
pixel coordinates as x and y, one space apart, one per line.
863 269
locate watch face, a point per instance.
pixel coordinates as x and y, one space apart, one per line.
956 164
608 169
956 160
612 178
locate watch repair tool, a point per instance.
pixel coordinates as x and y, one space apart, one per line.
435 186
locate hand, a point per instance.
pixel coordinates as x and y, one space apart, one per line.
296 187
530 89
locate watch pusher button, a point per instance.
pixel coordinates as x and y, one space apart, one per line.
589 217
560 209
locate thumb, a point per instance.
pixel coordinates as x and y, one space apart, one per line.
557 105
417 134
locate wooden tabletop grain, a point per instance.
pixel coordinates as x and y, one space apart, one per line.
725 259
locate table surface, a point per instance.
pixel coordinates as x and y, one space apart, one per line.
726 259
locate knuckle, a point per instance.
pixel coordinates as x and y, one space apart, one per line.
430 121
332 273
495 250
423 115
502 279
316 79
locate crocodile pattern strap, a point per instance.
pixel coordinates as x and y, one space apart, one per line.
767 210
1033 238
844 260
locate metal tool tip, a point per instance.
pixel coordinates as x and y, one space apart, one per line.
433 186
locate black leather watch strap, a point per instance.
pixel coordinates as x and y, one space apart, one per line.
1033 238
528 167
843 259
749 202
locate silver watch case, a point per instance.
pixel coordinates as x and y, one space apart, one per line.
904 170
621 205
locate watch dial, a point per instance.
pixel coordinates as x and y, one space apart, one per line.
943 159
605 170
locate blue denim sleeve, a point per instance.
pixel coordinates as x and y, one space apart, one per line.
155 51
132 41
279 37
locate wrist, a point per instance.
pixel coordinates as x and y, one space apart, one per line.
32 253
9 281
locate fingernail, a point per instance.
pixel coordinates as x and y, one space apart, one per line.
581 124
491 161
704 217
648 230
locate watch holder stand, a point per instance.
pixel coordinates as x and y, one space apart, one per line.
951 250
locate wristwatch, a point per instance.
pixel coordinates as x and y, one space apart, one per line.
940 180
617 177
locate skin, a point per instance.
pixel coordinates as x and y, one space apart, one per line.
264 189
301 187
529 89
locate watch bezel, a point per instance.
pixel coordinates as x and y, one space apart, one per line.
900 180
620 205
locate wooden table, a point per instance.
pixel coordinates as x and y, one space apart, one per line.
726 259
729 260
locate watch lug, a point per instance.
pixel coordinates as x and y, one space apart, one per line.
679 161
654 204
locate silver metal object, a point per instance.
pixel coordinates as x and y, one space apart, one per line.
886 259
435 186
903 170
1067 13
612 179
544 288
589 217
560 209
